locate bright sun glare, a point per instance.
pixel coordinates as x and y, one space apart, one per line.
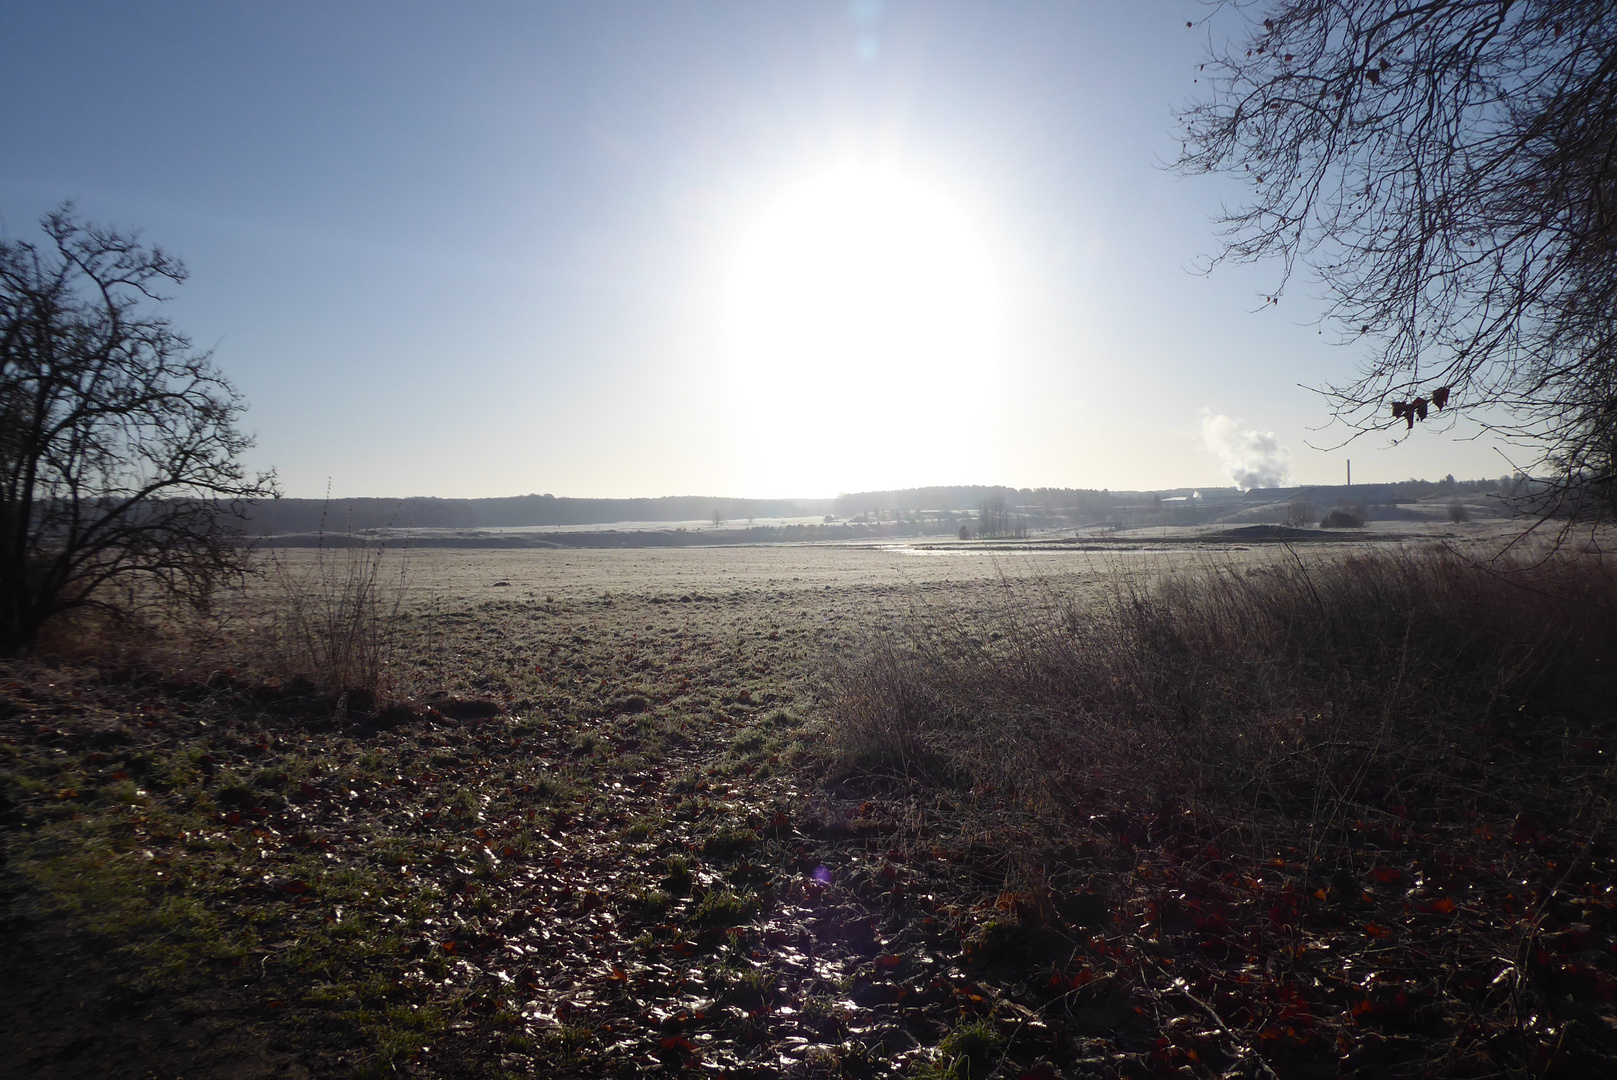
862 318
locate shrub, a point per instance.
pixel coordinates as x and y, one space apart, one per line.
1347 517
1458 513
1300 515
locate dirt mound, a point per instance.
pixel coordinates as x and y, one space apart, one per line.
1261 533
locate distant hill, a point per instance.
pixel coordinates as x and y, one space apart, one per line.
969 498
344 515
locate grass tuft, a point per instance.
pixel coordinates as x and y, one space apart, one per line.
969 1052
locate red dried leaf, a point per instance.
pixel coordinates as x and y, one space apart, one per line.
1062 982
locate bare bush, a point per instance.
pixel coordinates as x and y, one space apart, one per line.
1300 515
334 617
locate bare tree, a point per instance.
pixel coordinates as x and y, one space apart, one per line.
996 517
993 516
1449 169
119 452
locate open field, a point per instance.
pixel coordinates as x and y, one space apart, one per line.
654 811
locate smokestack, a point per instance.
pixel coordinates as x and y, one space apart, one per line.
1350 472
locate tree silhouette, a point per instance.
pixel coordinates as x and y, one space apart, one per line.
119 454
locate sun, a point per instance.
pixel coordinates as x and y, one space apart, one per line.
861 311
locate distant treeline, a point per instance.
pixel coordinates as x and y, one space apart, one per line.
615 538
347 515
969 499
913 510
984 511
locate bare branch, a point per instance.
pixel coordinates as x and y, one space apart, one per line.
1449 170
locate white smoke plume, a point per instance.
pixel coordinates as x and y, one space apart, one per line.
1254 459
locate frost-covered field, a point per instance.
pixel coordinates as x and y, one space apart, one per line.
612 827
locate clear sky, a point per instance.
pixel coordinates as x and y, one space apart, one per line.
750 249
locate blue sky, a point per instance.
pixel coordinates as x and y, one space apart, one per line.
487 249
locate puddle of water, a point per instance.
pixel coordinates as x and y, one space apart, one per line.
905 549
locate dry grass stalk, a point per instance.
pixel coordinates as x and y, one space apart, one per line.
1285 696
333 617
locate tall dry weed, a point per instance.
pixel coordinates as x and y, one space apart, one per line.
334 614
1285 695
